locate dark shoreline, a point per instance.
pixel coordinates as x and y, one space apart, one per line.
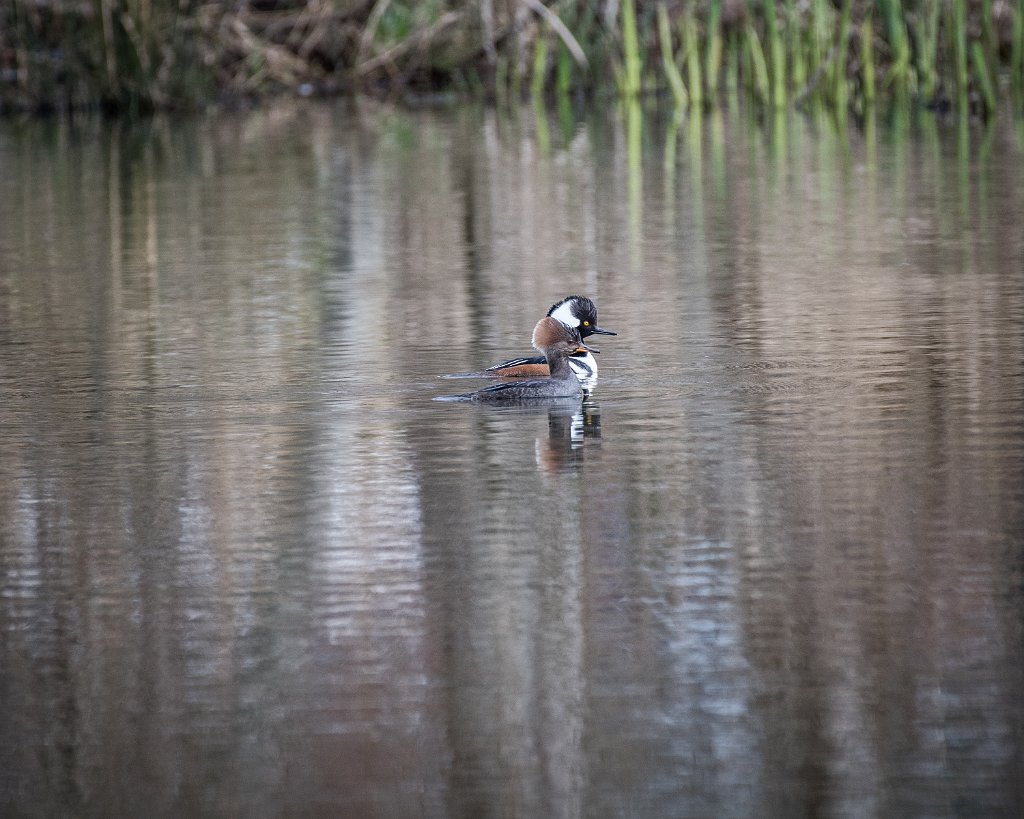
58 57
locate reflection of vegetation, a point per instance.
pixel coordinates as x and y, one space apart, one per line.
139 54
634 165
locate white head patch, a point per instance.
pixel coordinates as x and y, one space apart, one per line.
565 314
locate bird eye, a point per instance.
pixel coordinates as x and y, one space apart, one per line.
586 323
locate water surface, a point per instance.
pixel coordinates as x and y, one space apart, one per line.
771 566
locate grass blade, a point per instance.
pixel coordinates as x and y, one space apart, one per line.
692 51
778 54
713 69
675 79
630 50
758 66
867 58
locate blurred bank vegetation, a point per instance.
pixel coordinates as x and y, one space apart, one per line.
138 55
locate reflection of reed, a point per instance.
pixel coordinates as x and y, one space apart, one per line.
634 170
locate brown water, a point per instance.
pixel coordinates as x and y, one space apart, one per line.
773 566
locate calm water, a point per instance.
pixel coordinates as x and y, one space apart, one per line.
773 566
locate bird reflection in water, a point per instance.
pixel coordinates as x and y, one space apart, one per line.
572 427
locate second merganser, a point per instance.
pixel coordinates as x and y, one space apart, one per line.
557 341
576 312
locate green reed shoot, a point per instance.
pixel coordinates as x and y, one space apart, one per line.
732 65
540 65
757 65
899 75
867 58
927 48
794 42
713 67
688 32
563 71
985 83
959 34
986 62
822 24
630 50
675 79
988 37
778 54
838 68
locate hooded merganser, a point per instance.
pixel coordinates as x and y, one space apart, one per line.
576 312
557 341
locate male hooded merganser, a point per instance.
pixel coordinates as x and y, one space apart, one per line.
576 312
557 341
